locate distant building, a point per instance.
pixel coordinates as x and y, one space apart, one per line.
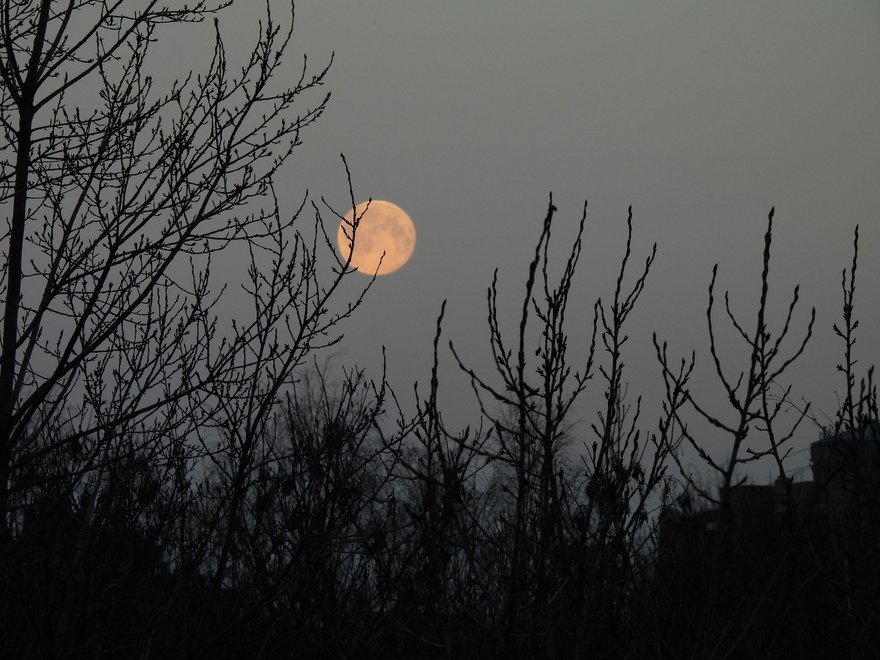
776 498
846 471
845 490
792 566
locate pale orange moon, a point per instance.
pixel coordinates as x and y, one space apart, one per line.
383 228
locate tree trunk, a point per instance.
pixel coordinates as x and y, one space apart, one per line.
11 310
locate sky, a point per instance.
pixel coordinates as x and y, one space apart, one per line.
701 115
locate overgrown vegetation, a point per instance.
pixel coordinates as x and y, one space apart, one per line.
173 487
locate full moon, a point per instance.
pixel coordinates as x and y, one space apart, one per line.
382 227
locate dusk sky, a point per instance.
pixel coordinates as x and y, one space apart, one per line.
701 115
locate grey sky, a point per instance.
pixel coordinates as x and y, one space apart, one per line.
702 115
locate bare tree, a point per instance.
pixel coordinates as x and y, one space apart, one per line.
750 393
848 465
531 428
624 473
566 537
119 197
736 590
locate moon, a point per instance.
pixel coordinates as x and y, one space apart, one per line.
379 227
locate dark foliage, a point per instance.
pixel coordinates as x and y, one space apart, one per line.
171 489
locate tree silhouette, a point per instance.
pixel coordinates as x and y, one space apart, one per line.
115 211
176 484
116 372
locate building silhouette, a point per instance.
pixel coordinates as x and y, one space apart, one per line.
843 498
